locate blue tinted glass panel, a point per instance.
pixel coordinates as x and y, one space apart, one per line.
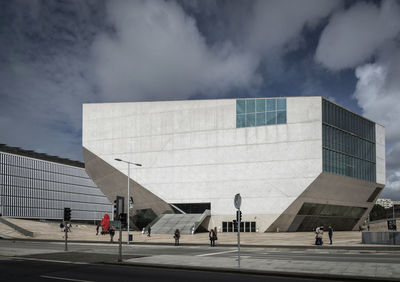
260 119
250 119
240 106
281 117
250 106
260 105
240 121
271 104
271 117
281 104
349 148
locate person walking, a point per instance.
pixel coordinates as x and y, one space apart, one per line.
177 235
61 227
330 233
215 235
97 228
149 231
112 233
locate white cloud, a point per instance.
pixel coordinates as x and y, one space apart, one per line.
354 35
277 25
158 52
378 94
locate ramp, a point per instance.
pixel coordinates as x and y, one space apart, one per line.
168 223
21 230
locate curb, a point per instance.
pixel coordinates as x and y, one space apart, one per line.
364 247
326 247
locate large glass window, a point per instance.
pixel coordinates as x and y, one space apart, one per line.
348 142
259 112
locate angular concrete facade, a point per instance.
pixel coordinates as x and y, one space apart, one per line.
194 152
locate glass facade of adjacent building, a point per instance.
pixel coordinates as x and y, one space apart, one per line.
348 142
36 188
259 112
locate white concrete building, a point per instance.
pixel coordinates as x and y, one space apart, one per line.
298 162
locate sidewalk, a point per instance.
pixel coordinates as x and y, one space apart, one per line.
50 231
317 269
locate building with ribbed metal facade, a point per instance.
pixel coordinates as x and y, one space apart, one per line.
38 186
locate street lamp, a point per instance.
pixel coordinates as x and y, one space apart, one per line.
128 199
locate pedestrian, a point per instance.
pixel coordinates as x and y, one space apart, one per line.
62 227
112 233
215 235
330 233
211 235
320 235
368 227
177 235
316 235
149 231
97 228
143 230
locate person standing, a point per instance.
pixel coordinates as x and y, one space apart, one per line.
112 233
330 233
215 235
320 235
177 235
316 235
149 231
211 235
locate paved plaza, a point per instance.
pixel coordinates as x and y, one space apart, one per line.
292 254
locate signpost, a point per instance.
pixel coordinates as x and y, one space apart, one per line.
115 225
237 202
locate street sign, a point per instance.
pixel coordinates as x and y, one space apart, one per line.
115 223
237 201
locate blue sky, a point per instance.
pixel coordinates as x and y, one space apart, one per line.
56 55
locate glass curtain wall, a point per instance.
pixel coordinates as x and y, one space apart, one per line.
259 112
348 142
34 188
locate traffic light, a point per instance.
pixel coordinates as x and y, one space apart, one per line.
239 216
67 214
235 223
115 208
123 219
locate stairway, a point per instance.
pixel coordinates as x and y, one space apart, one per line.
168 223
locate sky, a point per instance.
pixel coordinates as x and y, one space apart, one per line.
56 55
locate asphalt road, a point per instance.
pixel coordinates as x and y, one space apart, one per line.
108 253
28 270
47 261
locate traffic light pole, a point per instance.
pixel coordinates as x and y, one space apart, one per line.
66 236
238 221
120 243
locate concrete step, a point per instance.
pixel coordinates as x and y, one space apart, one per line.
168 223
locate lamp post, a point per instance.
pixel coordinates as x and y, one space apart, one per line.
128 199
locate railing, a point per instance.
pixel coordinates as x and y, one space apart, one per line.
202 217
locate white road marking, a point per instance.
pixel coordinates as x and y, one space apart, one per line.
49 260
211 254
63 278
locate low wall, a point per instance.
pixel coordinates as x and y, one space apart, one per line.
383 238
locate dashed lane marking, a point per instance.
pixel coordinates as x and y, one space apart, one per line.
64 278
211 254
49 260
